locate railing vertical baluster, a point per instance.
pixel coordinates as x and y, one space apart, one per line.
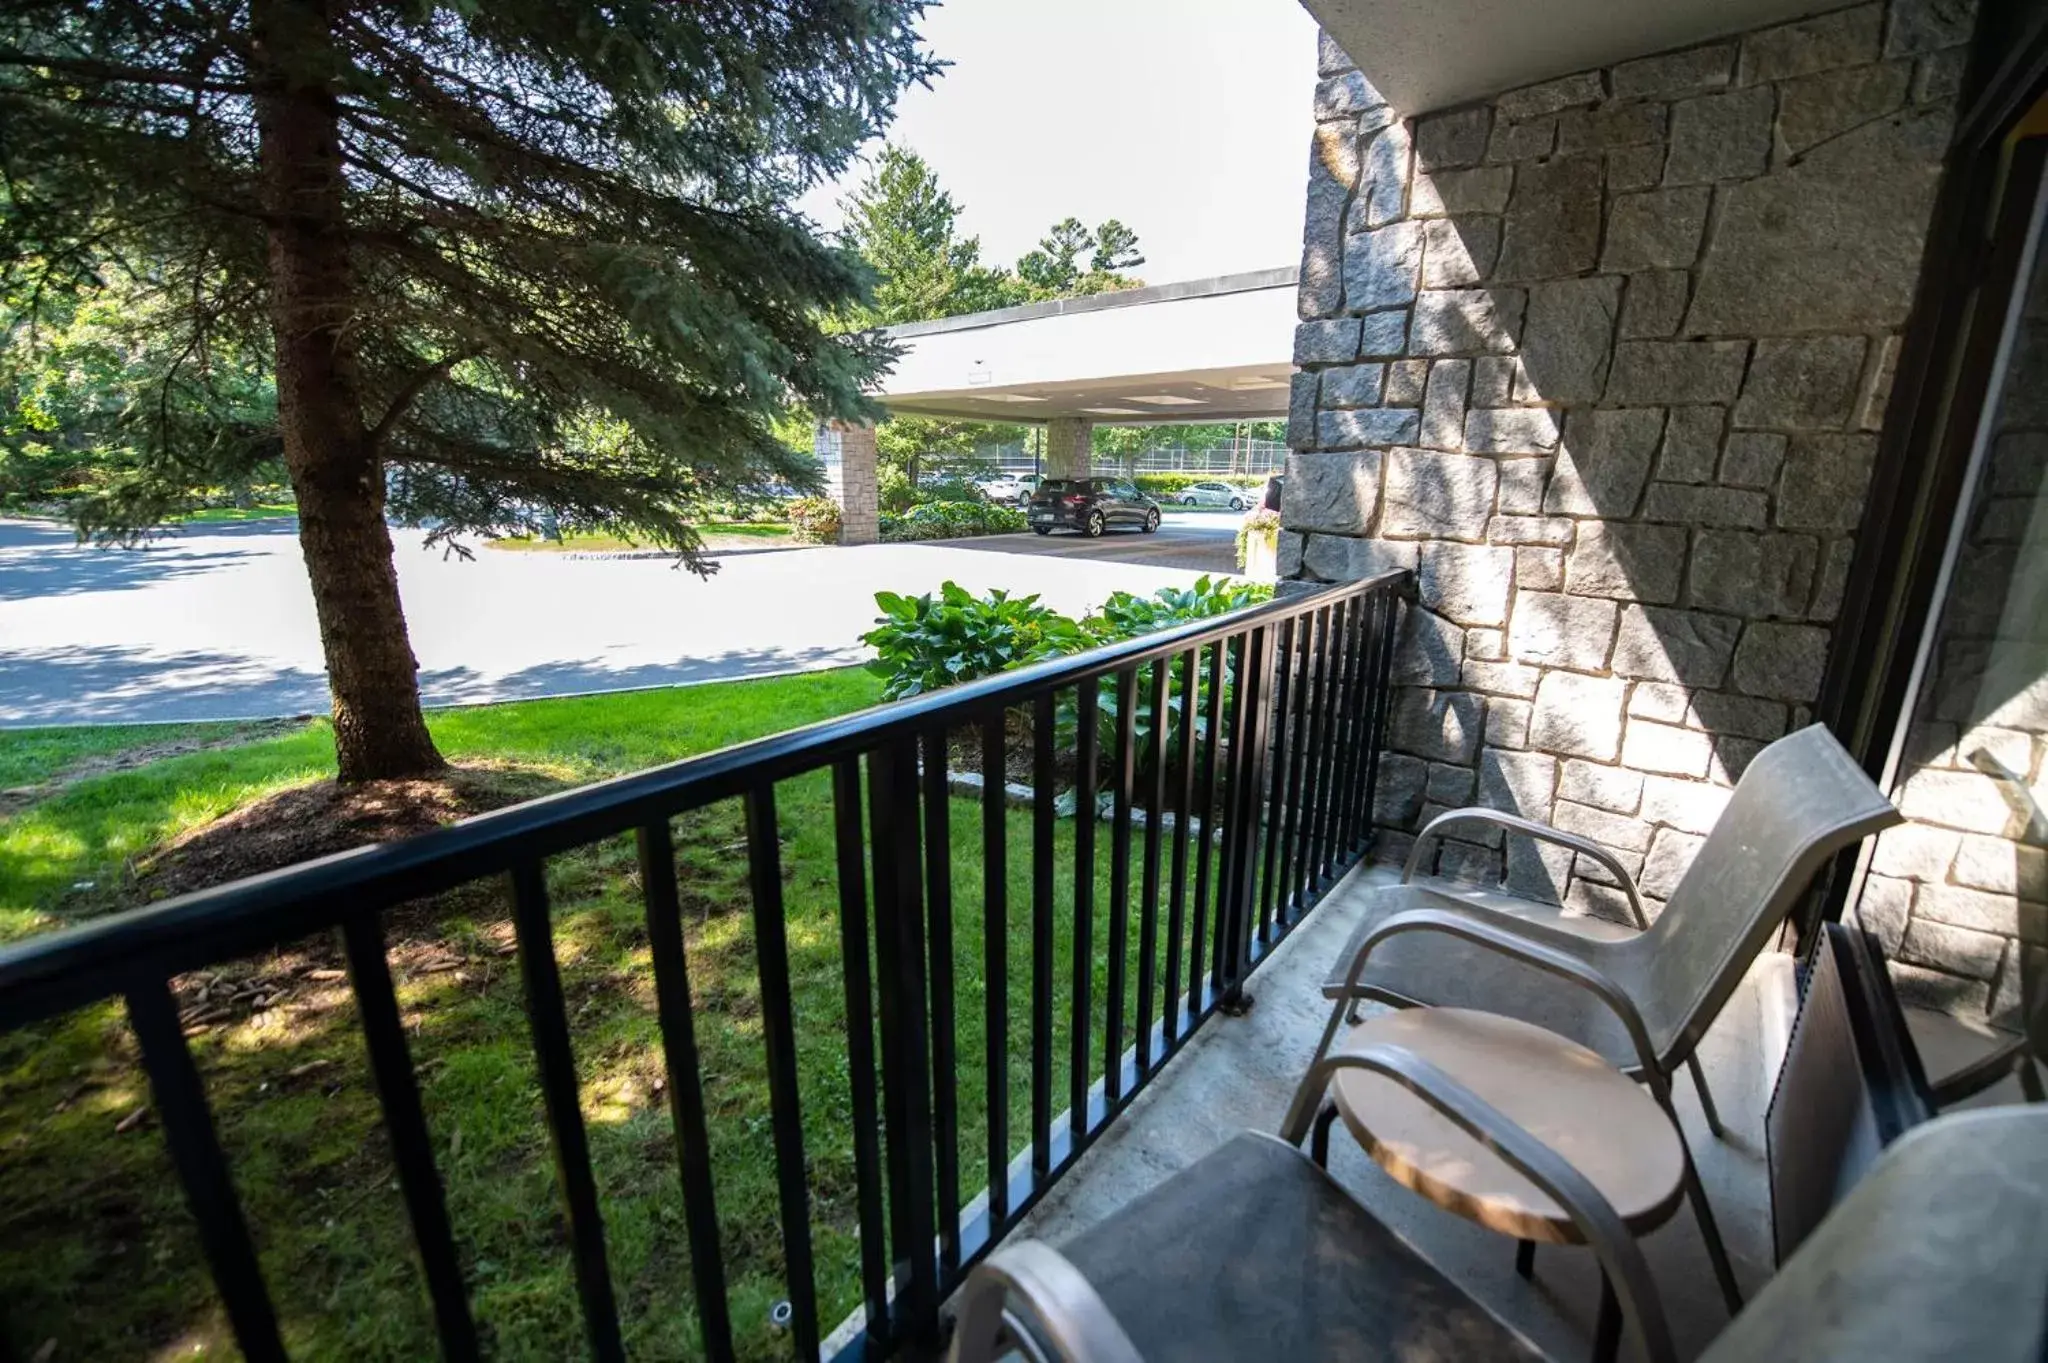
1343 749
1250 771
1318 740
203 1170
1044 812
1276 812
995 965
1382 698
1173 1019
1299 752
1200 955
1326 660
1087 704
938 874
1361 733
549 1019
860 1043
405 1122
1120 884
1148 893
1239 823
906 1052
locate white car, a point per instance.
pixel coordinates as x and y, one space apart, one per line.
1008 487
1214 494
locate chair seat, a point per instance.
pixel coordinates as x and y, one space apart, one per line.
1254 1253
1600 1121
1431 968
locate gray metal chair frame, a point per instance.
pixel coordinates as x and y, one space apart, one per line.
1654 992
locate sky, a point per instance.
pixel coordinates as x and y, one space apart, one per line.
1188 120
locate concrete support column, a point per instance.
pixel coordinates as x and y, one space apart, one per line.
847 450
1067 440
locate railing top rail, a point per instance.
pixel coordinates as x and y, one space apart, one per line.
46 975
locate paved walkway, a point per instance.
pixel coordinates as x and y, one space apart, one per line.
217 623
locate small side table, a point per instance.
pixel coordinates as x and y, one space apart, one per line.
1595 1117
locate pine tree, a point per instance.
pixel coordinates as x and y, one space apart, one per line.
905 226
507 256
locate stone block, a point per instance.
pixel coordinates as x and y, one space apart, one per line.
1510 430
1882 911
1578 716
1671 855
1443 408
1448 784
1676 373
1368 426
1321 291
1533 101
1657 643
1616 832
1301 410
1753 576
1674 73
1845 37
1660 230
1633 168
1834 577
1665 749
1288 554
1938 991
1466 321
1517 782
1720 713
1805 384
1331 57
1824 480
1502 679
1539 570
1660 701
1915 852
1405 379
1611 125
1781 661
1922 26
1688 805
1854 208
1523 141
1333 493
1458 251
1326 342
1604 462
1440 726
1965 908
1453 139
1383 267
1877 385
1428 649
1627 562
1521 485
1814 108
1938 77
1654 304
1680 504
1347 558
1343 95
1552 530
1507 723
1999 866
1692 443
1752 459
1382 180
1467 583
1964 800
1353 385
1567 336
1454 193
1384 335
1561 631
1553 225
1397 799
1433 495
1958 950
1486 645
1614 789
1723 136
1493 380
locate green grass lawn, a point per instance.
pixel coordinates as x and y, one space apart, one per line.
217 515
721 535
96 1250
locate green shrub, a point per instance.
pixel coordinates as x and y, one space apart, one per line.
1263 523
814 520
927 642
951 520
1173 484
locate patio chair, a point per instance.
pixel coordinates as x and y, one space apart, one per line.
1939 1252
1640 998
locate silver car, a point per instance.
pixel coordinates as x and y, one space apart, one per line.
1214 494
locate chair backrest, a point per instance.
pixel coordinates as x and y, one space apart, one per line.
1941 1252
1801 800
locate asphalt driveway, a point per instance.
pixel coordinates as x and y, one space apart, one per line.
1200 541
217 622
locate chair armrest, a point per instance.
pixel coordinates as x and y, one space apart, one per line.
1609 1238
1029 1285
1528 828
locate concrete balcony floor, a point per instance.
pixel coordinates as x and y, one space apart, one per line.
1239 1073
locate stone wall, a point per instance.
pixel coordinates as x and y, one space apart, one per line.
1603 360
1961 891
1068 443
846 451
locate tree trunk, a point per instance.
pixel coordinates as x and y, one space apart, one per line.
335 469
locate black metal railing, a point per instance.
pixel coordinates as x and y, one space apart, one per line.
1254 777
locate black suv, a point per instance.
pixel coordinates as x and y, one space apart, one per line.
1090 505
